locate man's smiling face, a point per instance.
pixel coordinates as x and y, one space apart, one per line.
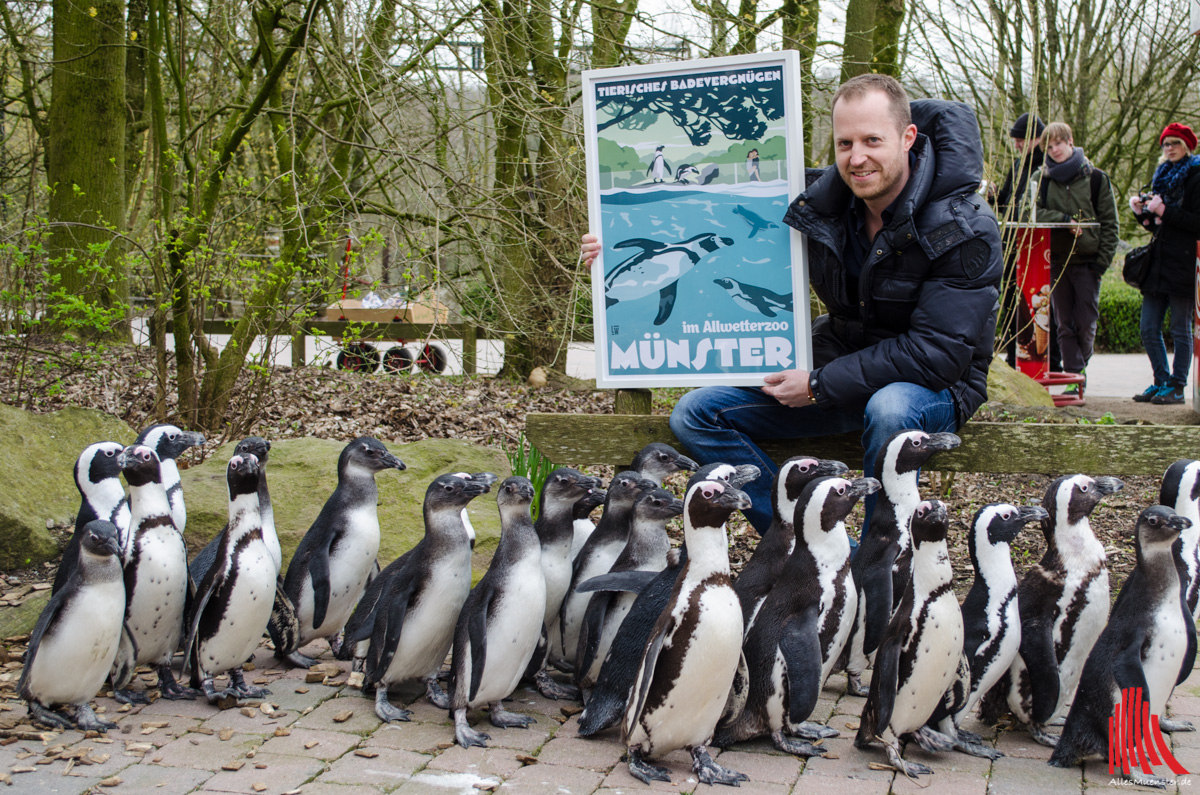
872 150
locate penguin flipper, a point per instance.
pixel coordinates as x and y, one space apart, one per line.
1189 656
477 633
193 611
590 631
1127 666
631 581
45 620
876 586
739 693
387 628
666 303
318 572
881 701
1037 651
663 628
283 627
800 643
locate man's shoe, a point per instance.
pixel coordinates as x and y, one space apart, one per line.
1168 395
1073 390
1149 395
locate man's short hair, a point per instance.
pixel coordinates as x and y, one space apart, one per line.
1057 131
857 87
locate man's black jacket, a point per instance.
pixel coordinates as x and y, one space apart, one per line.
925 312
1011 195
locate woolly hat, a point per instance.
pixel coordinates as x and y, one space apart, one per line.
1180 131
1020 128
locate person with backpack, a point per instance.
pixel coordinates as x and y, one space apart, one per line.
1172 213
1069 188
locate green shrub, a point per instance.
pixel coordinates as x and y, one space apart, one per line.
1117 330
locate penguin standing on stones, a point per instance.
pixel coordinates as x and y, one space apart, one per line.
233 602
336 557
98 478
656 461
1064 602
606 703
1141 647
156 581
881 564
693 654
646 551
803 623
919 655
991 620
403 627
169 442
499 626
761 572
1181 490
75 639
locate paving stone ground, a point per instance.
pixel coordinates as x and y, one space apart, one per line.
324 739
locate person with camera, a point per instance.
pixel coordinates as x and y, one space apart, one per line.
1171 211
1069 188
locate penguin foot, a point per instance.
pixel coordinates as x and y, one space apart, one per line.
1171 726
171 689
969 737
645 772
799 748
977 749
464 735
807 730
503 719
48 717
931 740
855 687
224 699
243 690
436 695
131 697
910 769
384 709
336 641
558 691
296 659
1043 737
1060 721
709 772
86 720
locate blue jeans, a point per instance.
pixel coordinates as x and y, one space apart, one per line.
716 424
1154 310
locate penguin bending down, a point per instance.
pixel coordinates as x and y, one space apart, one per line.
1063 602
753 298
404 625
920 651
880 566
606 703
991 620
761 572
1181 490
645 551
501 621
803 622
98 478
656 461
233 601
1141 647
336 557
169 442
156 581
75 639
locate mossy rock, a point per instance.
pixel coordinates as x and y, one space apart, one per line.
37 476
1014 388
302 473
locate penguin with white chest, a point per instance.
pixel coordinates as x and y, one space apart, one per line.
403 627
234 600
501 621
75 639
803 623
156 581
329 571
1141 647
1181 490
169 442
693 654
920 651
98 478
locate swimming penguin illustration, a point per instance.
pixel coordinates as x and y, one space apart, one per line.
659 167
755 299
657 267
757 222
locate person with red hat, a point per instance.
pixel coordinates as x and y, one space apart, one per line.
1172 213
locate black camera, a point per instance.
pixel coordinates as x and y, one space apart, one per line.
1145 217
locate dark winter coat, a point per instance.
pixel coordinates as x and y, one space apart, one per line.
1072 200
925 312
1009 197
1173 265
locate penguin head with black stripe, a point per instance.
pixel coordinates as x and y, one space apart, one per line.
1181 488
242 475
256 446
100 539
97 463
930 523
169 441
710 502
796 474
367 455
826 502
656 461
736 476
1157 529
1072 498
995 526
140 465
907 451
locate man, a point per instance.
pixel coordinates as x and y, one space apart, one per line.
906 257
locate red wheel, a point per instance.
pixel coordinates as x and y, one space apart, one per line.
398 360
432 359
358 357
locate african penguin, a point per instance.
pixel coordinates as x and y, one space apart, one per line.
501 621
233 602
991 619
333 561
98 478
403 627
657 460
170 442
606 703
881 564
646 550
803 623
755 221
761 572
156 581
1181 490
1140 648
581 530
753 298
75 639
1063 601
687 669
657 268
920 651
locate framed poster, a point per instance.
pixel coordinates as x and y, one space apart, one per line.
690 168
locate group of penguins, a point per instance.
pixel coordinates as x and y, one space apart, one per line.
662 640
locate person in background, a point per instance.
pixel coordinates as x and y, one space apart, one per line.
1068 187
752 165
1172 213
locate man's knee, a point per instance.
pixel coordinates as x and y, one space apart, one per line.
692 413
895 406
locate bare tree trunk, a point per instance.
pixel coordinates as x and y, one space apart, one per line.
859 47
889 21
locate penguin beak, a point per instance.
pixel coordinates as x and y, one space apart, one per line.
861 487
1108 485
733 498
827 467
484 478
193 439
942 441
744 474
393 462
108 543
1032 513
686 464
1179 523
